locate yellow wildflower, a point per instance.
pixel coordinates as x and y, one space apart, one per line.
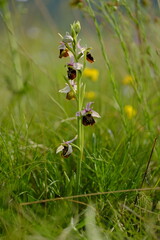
127 80
130 111
91 73
90 95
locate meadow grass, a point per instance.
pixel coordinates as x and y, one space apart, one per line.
121 150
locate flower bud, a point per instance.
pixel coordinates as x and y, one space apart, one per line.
75 28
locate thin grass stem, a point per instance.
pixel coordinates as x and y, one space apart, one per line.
13 46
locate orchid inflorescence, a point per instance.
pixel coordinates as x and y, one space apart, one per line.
70 47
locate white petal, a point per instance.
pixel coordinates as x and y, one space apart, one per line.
75 88
60 148
78 44
62 46
95 114
65 90
69 150
82 49
71 61
70 54
72 82
77 66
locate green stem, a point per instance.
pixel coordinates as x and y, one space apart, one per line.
13 46
80 131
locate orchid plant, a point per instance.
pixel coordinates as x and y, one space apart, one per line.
75 90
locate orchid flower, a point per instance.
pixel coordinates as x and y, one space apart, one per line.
87 115
66 148
70 91
63 50
75 65
89 57
81 49
72 67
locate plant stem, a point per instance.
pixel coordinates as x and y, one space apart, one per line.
80 132
13 46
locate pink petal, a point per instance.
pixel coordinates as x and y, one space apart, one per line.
70 141
88 106
65 89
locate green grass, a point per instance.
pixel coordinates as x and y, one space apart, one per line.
34 122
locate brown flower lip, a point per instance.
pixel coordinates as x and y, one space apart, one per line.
63 53
70 95
88 120
65 150
89 57
71 73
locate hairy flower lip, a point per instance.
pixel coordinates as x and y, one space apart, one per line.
71 73
89 57
88 120
63 53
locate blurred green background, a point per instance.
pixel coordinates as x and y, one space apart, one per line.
35 119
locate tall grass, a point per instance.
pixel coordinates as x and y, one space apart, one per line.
121 151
